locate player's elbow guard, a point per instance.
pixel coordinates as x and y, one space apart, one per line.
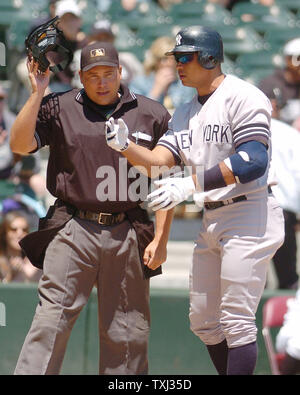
249 162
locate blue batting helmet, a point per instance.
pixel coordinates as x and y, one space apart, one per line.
207 42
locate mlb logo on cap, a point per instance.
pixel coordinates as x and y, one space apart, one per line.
97 52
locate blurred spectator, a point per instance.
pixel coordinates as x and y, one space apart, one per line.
70 23
20 86
45 18
267 3
28 177
102 31
286 165
18 174
14 266
288 337
167 4
160 80
283 86
70 19
129 5
7 158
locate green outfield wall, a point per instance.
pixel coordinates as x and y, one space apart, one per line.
173 348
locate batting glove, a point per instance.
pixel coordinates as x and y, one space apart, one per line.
116 134
172 191
199 199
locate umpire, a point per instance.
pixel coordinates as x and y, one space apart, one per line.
90 237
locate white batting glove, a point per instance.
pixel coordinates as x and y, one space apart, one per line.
172 192
199 199
116 134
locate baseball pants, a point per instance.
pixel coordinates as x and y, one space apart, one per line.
230 263
81 255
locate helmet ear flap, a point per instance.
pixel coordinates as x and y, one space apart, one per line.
207 61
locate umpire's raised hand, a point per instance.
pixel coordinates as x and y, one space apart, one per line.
39 80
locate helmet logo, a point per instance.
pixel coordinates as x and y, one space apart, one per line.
97 52
178 39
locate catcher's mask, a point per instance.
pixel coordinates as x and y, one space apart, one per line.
47 45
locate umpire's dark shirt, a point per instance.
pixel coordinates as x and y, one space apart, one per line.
74 128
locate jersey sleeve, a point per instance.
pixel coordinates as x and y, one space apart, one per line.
169 141
250 118
44 125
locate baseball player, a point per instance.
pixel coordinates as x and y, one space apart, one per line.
223 135
89 236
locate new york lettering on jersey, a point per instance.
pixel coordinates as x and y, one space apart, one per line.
184 139
216 133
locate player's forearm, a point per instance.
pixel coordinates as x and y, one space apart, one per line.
22 132
150 163
248 163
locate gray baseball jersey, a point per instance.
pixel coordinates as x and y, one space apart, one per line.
205 135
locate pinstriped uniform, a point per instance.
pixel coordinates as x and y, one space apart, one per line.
237 241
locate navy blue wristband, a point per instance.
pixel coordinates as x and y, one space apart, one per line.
213 179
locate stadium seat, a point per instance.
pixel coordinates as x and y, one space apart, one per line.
183 13
261 59
262 18
292 5
273 314
90 14
277 38
9 5
146 13
146 34
17 32
238 40
126 40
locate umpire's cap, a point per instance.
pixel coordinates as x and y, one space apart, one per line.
200 39
98 53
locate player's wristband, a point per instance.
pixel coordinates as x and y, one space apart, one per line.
213 179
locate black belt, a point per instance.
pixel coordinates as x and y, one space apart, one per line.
214 205
106 219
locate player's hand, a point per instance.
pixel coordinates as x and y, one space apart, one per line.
116 134
39 81
172 191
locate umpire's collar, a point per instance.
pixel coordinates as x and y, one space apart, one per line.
126 97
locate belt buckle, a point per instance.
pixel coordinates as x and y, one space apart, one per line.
228 201
100 218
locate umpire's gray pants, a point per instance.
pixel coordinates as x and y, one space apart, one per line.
81 255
